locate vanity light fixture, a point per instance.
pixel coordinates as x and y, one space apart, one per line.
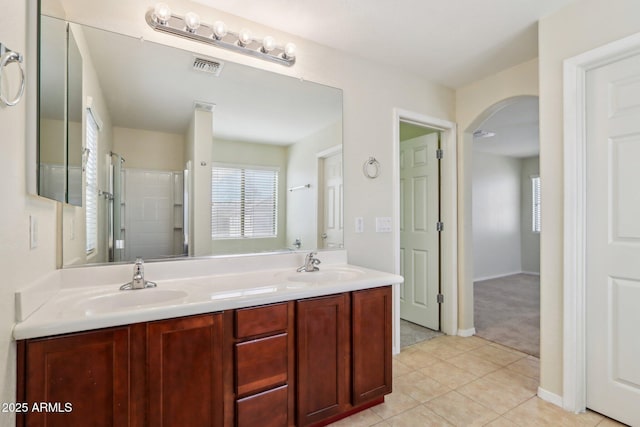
481 133
162 19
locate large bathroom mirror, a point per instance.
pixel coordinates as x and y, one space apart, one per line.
183 155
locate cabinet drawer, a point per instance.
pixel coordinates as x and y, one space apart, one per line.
261 364
267 409
261 320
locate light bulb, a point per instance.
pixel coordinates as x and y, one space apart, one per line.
219 29
289 51
268 44
192 21
162 13
244 37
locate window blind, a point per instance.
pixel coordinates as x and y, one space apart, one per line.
91 192
535 204
244 202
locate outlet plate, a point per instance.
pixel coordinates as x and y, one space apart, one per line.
383 224
359 224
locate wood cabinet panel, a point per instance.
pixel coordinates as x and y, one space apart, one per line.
371 352
323 353
261 320
261 364
89 371
185 371
266 409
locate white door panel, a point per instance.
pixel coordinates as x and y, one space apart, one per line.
613 240
331 237
419 240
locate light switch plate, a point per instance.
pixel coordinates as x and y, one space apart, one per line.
33 232
383 224
359 224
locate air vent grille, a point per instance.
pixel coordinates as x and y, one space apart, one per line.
208 66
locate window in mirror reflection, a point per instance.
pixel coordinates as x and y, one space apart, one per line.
91 174
244 202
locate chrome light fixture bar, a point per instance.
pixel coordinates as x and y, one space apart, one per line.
160 18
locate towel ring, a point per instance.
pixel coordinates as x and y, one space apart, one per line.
371 168
8 57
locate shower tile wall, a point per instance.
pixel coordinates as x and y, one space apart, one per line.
150 214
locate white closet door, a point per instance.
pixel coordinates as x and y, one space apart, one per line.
613 240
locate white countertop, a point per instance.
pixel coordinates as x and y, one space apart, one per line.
80 308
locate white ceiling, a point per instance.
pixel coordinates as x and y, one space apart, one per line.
516 130
451 42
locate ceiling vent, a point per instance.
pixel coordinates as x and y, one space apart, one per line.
204 106
208 66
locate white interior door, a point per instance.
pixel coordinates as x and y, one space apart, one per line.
419 238
331 236
613 240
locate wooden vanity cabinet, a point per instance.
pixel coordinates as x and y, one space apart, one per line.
305 362
82 379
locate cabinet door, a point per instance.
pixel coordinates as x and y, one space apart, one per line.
323 355
79 379
371 329
185 371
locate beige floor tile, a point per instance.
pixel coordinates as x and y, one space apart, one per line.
512 378
474 364
398 368
470 343
419 386
529 366
536 412
361 419
415 358
449 375
460 410
502 422
501 397
418 416
498 355
608 422
394 404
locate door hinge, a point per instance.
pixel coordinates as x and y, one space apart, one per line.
439 226
440 298
439 154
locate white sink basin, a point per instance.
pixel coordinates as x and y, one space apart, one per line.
328 275
127 300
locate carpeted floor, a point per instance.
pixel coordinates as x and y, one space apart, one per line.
410 333
507 311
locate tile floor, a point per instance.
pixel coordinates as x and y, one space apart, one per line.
455 381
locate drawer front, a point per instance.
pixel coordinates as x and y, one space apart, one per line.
267 409
261 320
261 364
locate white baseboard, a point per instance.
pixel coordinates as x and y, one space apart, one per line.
466 332
547 396
497 276
533 273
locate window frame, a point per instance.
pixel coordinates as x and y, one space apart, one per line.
535 204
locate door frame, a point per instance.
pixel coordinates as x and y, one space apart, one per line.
575 225
449 209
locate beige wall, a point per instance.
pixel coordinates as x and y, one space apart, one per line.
474 104
577 28
146 149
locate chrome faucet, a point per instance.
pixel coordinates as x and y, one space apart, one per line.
310 263
138 282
